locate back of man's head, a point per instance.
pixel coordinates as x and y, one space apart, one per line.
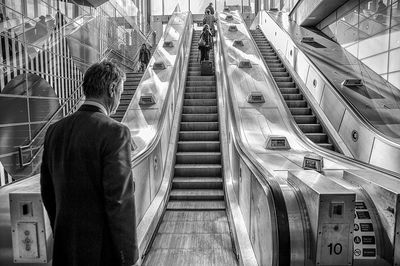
99 77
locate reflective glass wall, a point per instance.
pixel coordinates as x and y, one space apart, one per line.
46 45
370 30
166 7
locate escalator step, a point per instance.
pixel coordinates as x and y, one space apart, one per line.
199 109
310 128
296 104
293 97
191 170
199 118
196 194
200 102
201 95
305 119
198 157
197 182
196 205
300 111
198 146
199 135
317 137
199 126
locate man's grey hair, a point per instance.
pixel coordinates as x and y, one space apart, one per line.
99 77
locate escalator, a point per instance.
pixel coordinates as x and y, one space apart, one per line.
300 109
131 83
195 226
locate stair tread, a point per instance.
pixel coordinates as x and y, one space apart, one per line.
193 166
196 204
197 192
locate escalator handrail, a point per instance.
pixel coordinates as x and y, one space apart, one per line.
146 151
262 174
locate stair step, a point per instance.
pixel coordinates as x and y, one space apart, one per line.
277 69
280 74
206 170
196 205
196 194
286 84
300 111
200 78
283 79
292 97
190 89
200 102
198 157
310 128
199 126
289 90
200 83
199 118
292 104
305 119
197 183
199 109
199 135
327 146
317 137
201 95
198 146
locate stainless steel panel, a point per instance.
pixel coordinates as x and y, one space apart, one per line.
332 107
156 171
290 53
316 86
302 65
262 229
245 177
330 208
141 175
246 80
237 53
240 34
277 162
31 231
385 155
361 148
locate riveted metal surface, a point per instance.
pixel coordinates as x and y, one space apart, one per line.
315 85
156 171
362 148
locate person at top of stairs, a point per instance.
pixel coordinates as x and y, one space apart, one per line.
205 43
144 57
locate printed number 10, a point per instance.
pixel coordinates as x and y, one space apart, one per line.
337 248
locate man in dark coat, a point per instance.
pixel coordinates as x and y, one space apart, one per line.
86 180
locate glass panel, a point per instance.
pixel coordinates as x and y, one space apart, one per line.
347 30
198 7
234 4
170 6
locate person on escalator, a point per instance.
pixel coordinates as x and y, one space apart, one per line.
209 20
205 43
144 57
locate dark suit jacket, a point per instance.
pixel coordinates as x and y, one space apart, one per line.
88 190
